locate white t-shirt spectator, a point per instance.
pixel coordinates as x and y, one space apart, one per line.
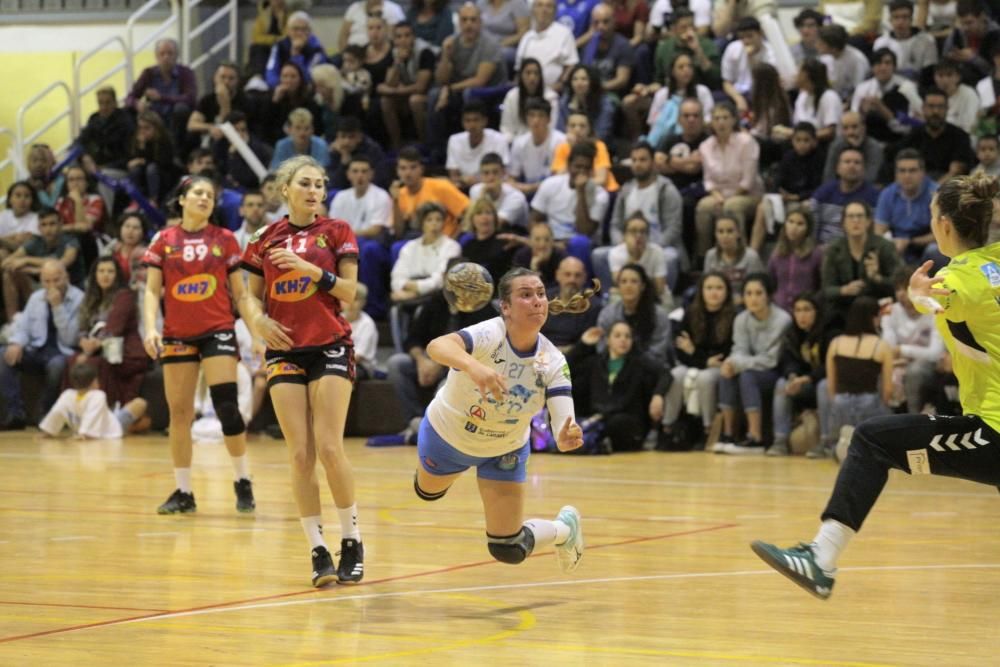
963 108
374 208
357 14
465 158
556 198
511 125
364 333
653 259
821 115
846 72
736 65
424 263
11 224
531 162
913 54
872 88
512 207
554 48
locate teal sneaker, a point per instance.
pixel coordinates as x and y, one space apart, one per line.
799 565
570 552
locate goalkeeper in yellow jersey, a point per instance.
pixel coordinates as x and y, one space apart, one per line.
965 299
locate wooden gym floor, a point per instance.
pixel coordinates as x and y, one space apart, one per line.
92 576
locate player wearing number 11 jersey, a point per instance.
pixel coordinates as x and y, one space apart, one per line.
301 268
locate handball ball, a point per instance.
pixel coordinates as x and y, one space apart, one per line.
468 287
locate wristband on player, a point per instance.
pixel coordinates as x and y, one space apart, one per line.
327 281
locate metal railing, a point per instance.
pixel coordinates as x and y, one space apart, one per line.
131 44
189 33
82 91
160 31
23 139
11 161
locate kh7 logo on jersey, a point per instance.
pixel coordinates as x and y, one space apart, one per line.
292 286
198 287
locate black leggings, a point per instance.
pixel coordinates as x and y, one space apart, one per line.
962 447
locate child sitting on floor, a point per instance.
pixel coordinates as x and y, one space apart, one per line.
84 408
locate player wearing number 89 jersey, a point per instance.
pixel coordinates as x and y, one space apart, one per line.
192 269
196 266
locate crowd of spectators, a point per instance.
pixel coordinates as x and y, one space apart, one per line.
736 197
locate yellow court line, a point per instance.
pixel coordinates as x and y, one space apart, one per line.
581 648
526 622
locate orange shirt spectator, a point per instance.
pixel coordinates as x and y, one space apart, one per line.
439 190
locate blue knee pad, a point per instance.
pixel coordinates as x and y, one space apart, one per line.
512 549
225 398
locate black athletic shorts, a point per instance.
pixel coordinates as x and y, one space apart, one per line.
218 344
303 367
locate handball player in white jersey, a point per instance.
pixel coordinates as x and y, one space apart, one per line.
503 371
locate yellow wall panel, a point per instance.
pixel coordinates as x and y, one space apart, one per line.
25 75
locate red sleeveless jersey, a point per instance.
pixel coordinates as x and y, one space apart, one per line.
292 298
196 268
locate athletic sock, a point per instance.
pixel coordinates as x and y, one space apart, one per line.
313 528
241 467
547 532
831 539
183 478
349 523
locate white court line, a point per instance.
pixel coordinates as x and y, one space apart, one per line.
72 538
540 584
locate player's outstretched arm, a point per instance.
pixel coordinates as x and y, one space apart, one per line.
922 291
449 351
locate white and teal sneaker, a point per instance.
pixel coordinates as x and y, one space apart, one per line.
570 552
799 565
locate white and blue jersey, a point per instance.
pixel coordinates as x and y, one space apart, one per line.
485 427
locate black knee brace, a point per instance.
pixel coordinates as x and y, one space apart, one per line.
227 409
512 549
423 495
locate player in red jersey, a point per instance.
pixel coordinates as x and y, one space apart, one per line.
191 265
302 267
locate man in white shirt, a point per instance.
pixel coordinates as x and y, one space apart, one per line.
466 149
253 214
657 200
511 204
915 49
368 209
881 98
551 43
572 204
748 49
963 101
846 66
532 152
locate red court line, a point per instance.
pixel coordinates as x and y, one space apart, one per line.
310 591
80 606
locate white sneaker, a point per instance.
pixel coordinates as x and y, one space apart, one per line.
843 443
570 552
721 446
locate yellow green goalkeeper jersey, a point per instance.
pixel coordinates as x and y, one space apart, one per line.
969 322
